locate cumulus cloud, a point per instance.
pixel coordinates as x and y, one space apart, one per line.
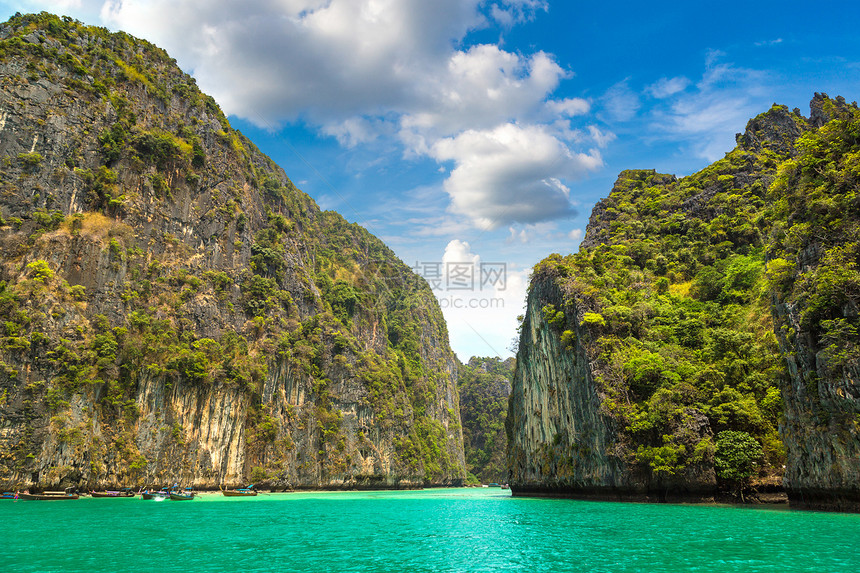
457 251
569 107
511 173
480 319
483 87
371 71
281 60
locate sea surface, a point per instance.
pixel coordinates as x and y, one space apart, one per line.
482 529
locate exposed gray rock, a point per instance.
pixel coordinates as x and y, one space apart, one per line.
328 402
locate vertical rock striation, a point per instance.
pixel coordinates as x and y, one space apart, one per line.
562 439
816 304
703 342
175 309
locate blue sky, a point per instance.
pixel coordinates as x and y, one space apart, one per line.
480 133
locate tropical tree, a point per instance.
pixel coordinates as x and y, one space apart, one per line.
736 458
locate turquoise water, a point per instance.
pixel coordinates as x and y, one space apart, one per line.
432 530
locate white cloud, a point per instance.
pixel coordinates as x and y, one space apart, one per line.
483 87
352 131
665 87
768 43
457 251
519 236
511 173
708 123
620 102
510 12
275 61
504 17
569 107
600 137
481 318
707 117
544 237
529 233
376 71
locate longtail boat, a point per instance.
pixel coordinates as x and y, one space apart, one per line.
120 493
240 492
157 495
48 495
182 495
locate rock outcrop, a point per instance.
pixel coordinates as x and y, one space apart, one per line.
175 309
816 305
562 439
701 316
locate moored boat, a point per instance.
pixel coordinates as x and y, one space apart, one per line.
240 492
182 495
47 496
121 493
157 495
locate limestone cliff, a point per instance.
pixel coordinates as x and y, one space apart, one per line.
815 282
703 342
563 438
174 309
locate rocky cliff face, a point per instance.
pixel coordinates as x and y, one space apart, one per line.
701 316
176 310
563 438
814 254
560 439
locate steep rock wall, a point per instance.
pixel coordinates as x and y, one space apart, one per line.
562 439
820 430
816 305
176 309
704 338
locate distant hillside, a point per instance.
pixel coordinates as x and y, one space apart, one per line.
704 337
174 309
485 384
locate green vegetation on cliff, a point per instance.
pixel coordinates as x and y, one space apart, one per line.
814 252
484 385
815 239
670 296
157 268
